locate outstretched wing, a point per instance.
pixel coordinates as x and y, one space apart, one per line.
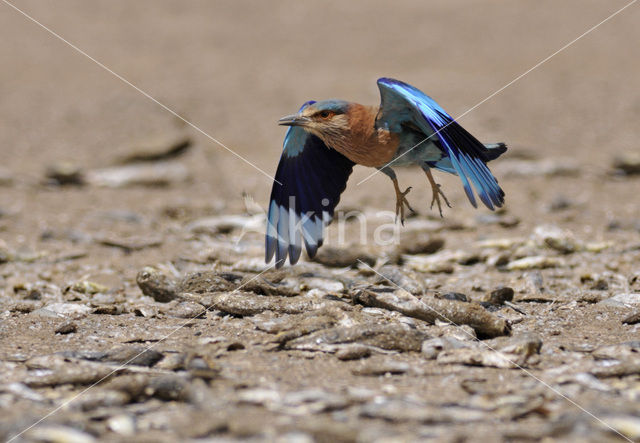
402 103
312 177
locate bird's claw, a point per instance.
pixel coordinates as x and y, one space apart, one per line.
436 193
401 200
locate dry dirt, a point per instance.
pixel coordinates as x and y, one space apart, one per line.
132 300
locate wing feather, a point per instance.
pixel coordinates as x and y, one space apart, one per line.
313 177
402 103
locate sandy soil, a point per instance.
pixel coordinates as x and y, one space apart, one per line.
70 255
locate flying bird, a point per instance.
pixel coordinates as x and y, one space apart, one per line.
327 138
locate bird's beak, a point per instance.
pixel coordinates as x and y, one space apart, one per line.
294 120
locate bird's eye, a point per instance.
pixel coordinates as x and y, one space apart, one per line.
325 114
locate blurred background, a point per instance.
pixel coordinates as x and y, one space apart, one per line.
233 68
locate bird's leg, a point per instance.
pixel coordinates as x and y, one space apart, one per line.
436 192
401 198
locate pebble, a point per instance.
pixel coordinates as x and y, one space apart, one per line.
66 328
225 224
632 318
344 257
514 353
157 284
323 284
355 351
416 242
431 348
63 309
433 264
535 262
619 351
65 173
628 163
58 434
161 174
627 300
383 336
555 238
627 425
456 296
161 147
383 367
122 424
399 277
432 309
88 287
500 295
129 244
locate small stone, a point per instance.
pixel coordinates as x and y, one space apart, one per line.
432 310
382 336
431 348
627 425
184 309
375 368
622 300
456 296
225 224
122 424
248 303
400 277
65 173
160 174
322 284
161 147
66 328
129 244
88 287
535 262
169 388
560 203
343 257
555 238
534 282
209 281
58 434
416 242
434 264
353 351
632 318
628 163
156 284
513 354
500 295
64 310
619 351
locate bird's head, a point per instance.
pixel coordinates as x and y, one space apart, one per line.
326 119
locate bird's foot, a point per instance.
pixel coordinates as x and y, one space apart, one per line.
436 192
435 198
401 201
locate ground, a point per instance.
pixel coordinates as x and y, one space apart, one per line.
134 301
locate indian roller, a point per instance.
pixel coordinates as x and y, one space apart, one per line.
327 138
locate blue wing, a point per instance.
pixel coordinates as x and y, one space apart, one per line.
312 177
463 153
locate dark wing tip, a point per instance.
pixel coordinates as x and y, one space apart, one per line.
494 152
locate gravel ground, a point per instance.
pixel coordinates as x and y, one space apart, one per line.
134 301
